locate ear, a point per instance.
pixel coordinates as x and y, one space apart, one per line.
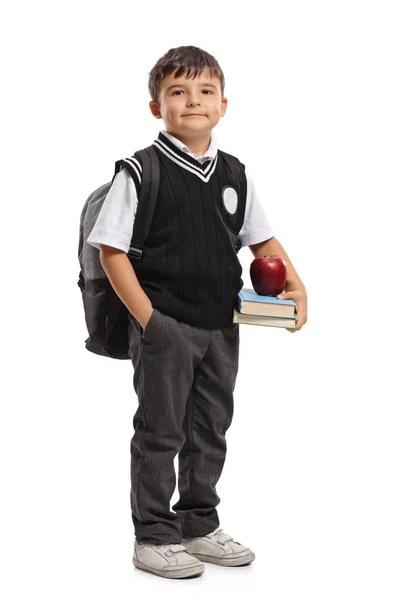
155 109
224 104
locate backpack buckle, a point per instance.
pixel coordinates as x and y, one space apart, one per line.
135 252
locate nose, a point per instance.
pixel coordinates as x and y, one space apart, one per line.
193 99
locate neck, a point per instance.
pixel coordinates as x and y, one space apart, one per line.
198 145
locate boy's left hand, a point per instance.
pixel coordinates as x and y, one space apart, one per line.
299 296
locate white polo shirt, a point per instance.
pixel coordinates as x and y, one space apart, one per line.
114 224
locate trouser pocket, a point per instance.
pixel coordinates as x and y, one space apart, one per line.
147 333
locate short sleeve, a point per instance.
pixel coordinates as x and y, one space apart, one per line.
114 224
256 227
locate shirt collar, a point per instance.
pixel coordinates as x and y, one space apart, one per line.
209 153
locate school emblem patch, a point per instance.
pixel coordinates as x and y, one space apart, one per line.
230 199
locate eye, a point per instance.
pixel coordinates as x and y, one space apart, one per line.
177 91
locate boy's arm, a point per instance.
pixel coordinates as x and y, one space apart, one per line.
123 279
294 288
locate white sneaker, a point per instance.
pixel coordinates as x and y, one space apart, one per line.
166 560
219 548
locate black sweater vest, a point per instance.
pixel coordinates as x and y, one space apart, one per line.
189 267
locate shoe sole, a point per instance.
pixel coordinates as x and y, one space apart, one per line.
226 562
178 574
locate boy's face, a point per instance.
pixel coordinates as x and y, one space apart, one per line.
200 96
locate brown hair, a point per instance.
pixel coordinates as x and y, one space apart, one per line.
184 58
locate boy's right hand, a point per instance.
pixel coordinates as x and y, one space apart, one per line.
144 325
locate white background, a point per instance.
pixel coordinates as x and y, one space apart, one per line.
311 479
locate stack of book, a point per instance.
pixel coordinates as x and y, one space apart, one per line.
253 309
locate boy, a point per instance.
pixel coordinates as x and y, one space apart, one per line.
183 343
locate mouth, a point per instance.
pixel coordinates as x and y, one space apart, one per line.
193 115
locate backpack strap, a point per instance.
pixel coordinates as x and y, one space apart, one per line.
150 182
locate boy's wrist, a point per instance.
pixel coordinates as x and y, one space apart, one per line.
144 313
294 284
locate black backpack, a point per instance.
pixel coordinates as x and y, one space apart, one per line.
105 314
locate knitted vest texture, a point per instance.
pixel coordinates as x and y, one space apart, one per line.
189 267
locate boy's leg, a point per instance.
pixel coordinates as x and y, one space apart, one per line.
164 357
208 416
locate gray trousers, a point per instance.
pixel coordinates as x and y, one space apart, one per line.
184 377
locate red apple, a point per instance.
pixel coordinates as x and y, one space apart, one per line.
268 275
